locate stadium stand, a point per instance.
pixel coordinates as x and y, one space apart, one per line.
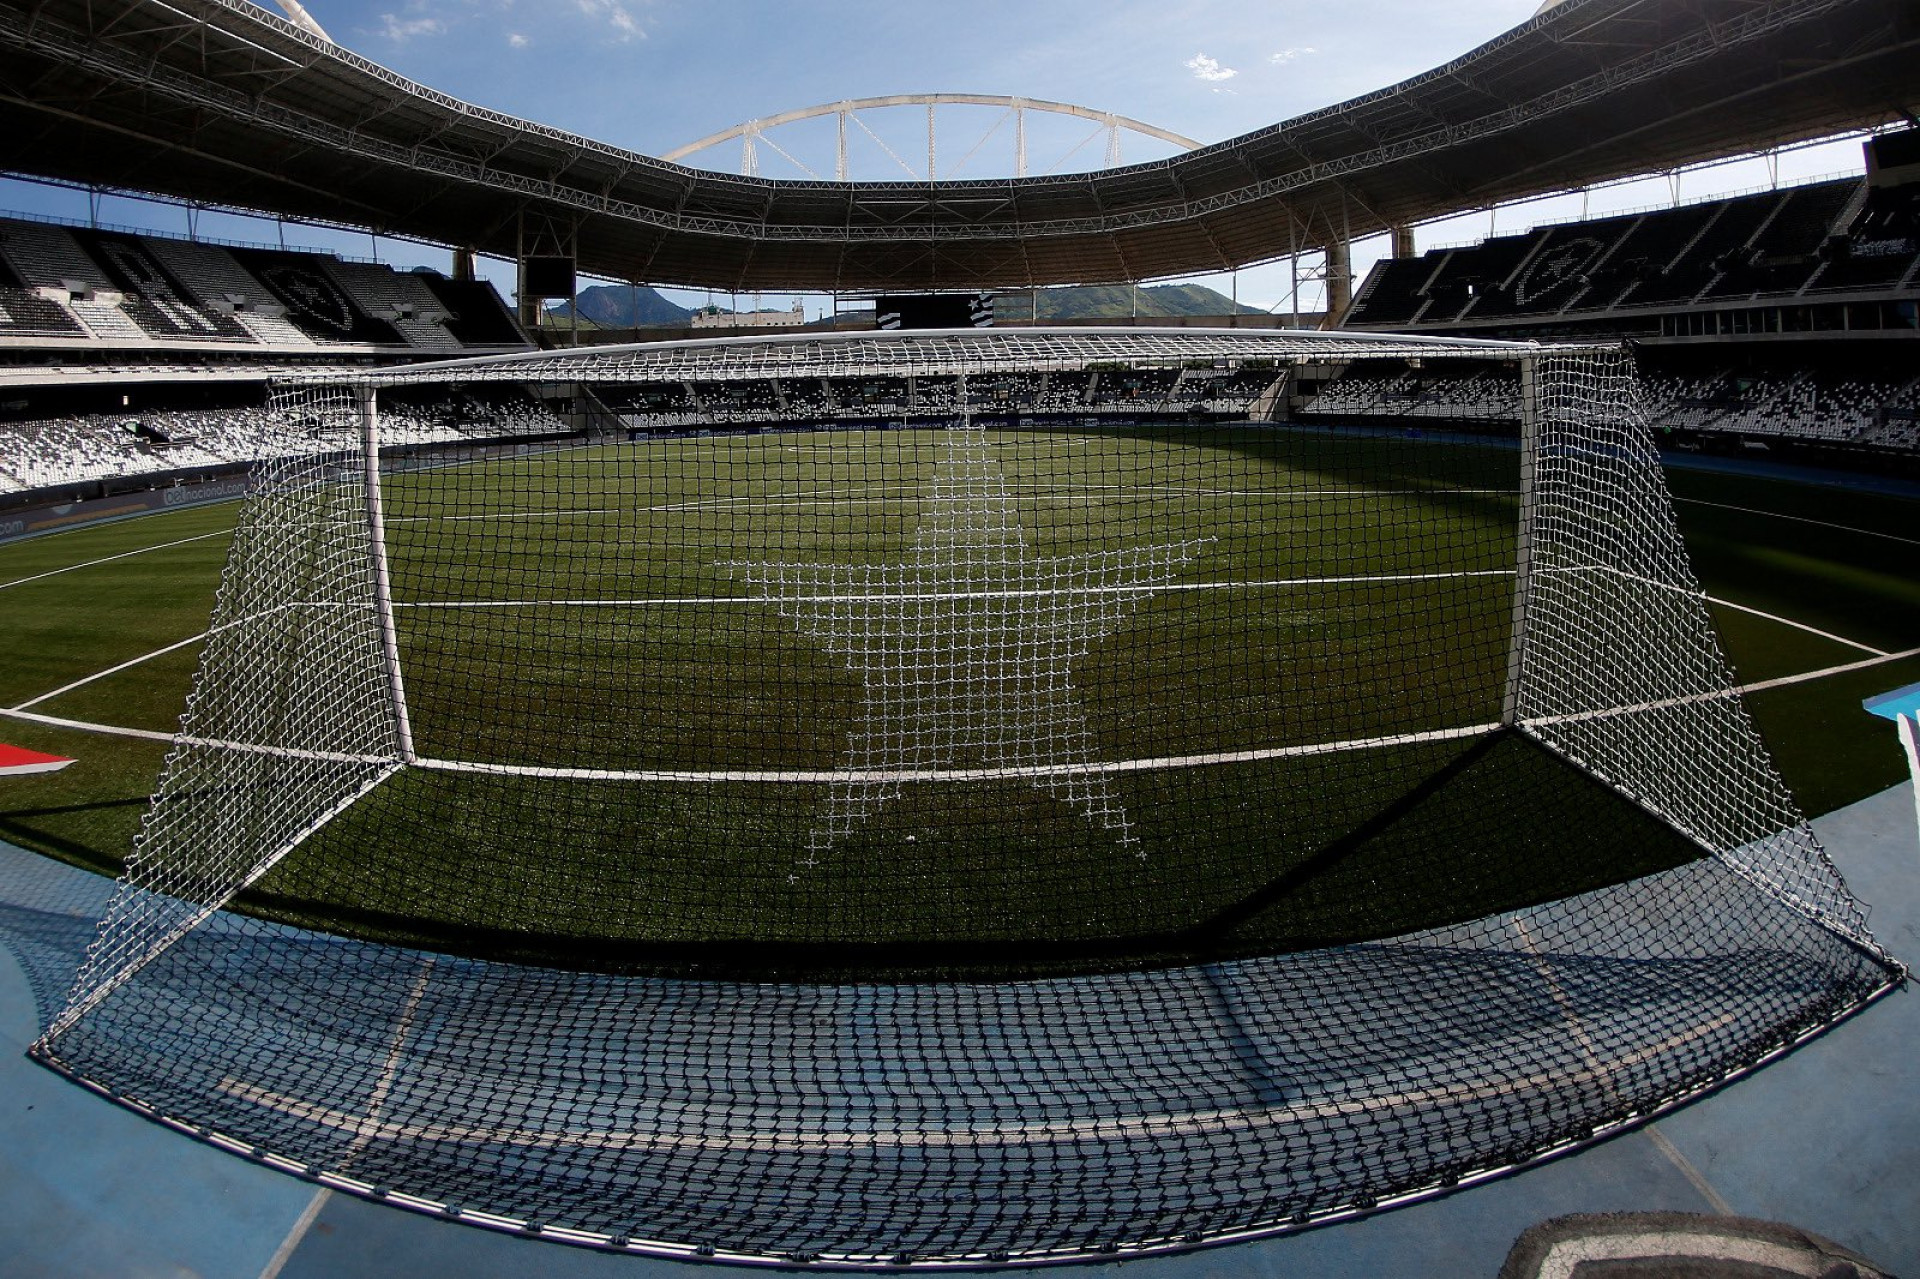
64 438
1780 319
24 314
228 426
92 286
132 355
212 274
1845 399
1109 391
1784 246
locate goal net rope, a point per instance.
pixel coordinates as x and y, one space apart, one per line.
769 799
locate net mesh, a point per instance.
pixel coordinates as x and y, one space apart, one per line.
980 799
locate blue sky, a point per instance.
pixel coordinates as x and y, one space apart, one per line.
652 75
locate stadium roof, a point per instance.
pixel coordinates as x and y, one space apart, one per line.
219 101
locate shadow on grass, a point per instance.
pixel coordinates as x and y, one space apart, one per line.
1496 825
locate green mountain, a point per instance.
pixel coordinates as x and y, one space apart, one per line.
1105 301
620 306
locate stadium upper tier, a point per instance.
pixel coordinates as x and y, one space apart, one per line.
221 102
78 288
1824 243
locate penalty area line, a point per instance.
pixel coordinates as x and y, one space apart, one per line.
108 559
111 670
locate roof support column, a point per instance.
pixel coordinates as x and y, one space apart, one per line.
1339 282
1403 242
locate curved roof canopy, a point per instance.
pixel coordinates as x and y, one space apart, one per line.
222 102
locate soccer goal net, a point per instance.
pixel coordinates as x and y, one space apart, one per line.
999 796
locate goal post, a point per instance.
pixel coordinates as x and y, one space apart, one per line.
1529 424
366 408
1253 776
289 722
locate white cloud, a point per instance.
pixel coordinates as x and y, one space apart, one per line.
615 14
1288 55
516 40
399 29
1205 68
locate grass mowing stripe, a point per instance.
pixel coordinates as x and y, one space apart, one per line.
108 559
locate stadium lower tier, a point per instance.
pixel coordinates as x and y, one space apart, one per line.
189 430
1865 404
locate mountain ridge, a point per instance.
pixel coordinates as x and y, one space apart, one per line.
621 306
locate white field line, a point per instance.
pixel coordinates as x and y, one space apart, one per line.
108 559
1801 519
824 776
883 597
993 1132
1742 690
85 726
113 730
1800 626
158 652
1804 676
1714 599
111 670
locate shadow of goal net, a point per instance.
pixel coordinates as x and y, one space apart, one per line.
966 797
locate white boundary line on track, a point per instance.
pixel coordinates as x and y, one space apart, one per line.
108 559
391 1070
1800 519
297 1232
1158 1126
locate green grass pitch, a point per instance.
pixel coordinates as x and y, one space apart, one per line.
986 878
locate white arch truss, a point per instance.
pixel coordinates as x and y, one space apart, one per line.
751 134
